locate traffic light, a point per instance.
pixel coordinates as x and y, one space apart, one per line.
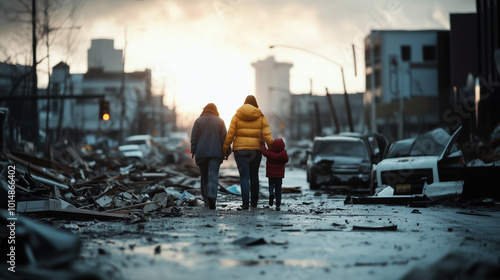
104 110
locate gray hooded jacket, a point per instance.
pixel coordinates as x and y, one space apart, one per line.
207 136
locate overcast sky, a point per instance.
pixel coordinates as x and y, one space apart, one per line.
200 51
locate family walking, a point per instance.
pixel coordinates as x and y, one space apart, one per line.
248 133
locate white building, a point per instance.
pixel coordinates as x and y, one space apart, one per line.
272 90
103 55
407 76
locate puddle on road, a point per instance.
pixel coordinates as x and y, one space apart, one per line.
225 227
175 252
295 263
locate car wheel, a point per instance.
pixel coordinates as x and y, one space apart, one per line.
312 183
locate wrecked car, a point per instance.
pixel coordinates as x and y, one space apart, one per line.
176 147
429 165
131 151
143 141
339 160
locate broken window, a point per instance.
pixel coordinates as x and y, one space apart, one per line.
405 53
429 53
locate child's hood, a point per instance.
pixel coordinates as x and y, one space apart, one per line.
278 145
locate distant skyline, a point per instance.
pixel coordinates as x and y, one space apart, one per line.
201 51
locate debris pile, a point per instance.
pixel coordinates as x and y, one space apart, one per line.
483 152
83 184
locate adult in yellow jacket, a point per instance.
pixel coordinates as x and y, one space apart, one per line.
247 129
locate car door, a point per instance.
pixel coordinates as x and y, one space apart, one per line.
447 151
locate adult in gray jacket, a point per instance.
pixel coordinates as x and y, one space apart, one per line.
207 138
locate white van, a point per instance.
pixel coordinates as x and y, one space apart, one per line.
144 141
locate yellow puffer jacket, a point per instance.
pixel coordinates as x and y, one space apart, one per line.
248 127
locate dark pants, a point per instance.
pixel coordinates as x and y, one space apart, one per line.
209 171
248 162
275 188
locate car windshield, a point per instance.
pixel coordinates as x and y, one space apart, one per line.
431 143
340 148
136 142
400 148
127 149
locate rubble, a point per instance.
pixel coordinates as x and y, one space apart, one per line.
136 196
456 265
85 184
249 241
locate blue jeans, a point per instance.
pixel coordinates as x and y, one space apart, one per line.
275 188
209 171
248 162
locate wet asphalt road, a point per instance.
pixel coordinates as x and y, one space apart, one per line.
314 236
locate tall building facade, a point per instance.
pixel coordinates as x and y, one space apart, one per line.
407 81
272 90
475 69
103 55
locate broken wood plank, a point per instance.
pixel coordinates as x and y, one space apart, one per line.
291 190
59 167
55 207
376 228
130 206
35 168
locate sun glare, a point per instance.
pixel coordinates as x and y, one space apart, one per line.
206 74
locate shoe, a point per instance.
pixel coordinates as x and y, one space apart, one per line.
245 206
211 203
271 199
278 208
254 205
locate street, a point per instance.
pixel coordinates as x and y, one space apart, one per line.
113 112
314 236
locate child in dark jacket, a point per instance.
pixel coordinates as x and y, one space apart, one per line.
277 157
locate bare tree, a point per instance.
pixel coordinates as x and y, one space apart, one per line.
54 23
43 20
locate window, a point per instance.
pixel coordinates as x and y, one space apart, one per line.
378 81
376 51
429 53
111 89
405 53
54 107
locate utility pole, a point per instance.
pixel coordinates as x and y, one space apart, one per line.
122 92
34 79
354 56
373 114
347 104
332 109
46 31
34 82
319 127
